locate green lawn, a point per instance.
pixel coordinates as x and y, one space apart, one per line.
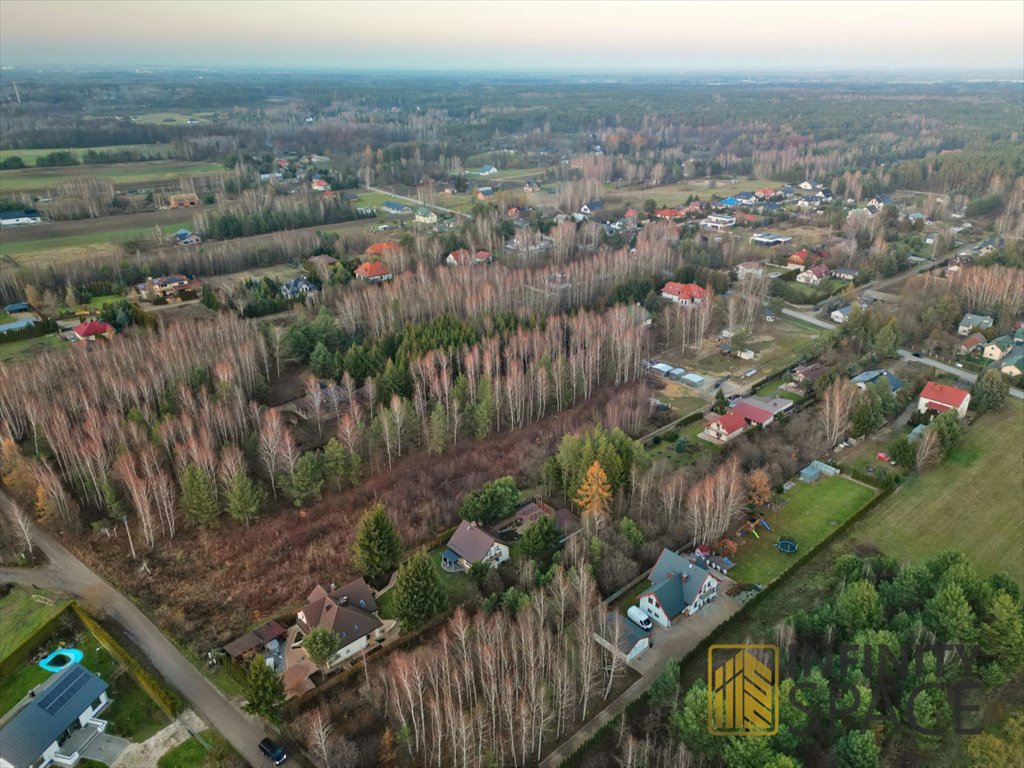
131 713
971 503
96 303
20 616
773 388
93 238
456 586
30 155
172 118
810 513
192 754
117 173
5 318
23 349
665 449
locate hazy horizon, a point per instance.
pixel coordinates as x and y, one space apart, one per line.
510 37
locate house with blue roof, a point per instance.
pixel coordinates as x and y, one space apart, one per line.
16 325
728 201
680 586
488 170
394 209
863 380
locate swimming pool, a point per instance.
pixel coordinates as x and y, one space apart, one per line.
60 658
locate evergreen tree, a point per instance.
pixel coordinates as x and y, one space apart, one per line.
199 496
903 452
493 501
320 645
377 547
1002 637
950 615
989 391
540 537
419 594
244 498
857 749
264 691
307 480
947 426
858 607
438 429
721 404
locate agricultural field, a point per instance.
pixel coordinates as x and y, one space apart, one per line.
23 349
80 246
39 179
809 513
29 155
173 118
972 502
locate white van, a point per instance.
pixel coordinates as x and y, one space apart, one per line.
641 619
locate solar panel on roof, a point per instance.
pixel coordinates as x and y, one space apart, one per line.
63 690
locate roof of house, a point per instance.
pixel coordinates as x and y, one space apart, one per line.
391 205
799 257
819 271
676 581
259 636
844 271
28 212
844 311
1015 359
774 405
347 611
811 372
471 542
975 321
19 306
629 633
688 291
594 205
1003 343
382 249
752 413
56 704
731 422
869 377
92 328
370 269
973 340
943 393
16 325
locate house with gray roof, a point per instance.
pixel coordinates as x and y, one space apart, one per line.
680 585
863 380
55 722
970 323
620 635
472 544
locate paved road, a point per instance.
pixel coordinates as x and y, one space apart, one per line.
420 202
66 573
809 317
959 372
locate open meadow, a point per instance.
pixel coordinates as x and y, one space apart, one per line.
40 179
29 156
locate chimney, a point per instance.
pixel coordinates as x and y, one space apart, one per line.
344 600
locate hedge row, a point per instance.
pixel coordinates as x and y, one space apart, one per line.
164 698
15 658
701 648
574 759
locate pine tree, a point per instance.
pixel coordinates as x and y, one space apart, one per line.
264 691
320 645
595 494
307 480
377 546
721 405
199 496
438 429
950 615
336 463
244 498
419 594
989 391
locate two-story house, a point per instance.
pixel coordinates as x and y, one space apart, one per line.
680 586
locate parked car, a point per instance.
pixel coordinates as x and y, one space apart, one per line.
641 619
882 456
273 750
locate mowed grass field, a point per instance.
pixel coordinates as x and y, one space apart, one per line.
810 513
30 155
79 246
974 502
26 179
21 616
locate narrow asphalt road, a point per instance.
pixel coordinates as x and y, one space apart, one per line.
66 573
420 202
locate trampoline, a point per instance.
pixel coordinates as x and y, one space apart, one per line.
786 546
60 658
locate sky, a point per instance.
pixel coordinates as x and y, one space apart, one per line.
494 35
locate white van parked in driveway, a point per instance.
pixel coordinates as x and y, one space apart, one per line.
641 619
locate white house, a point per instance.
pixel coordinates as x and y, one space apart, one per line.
17 218
718 221
55 722
840 315
752 268
472 544
998 348
941 398
348 611
680 586
813 276
686 294
488 170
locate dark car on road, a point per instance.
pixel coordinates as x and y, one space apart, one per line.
274 751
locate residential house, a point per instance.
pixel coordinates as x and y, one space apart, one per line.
867 378
56 721
845 273
721 428
297 287
998 348
531 186
752 414
808 374
970 323
799 260
680 586
349 611
322 262
686 294
425 216
373 272
768 239
463 257
622 636
17 218
184 237
395 209
484 193
320 185
752 268
472 544
941 398
809 185
971 343
958 263
386 248
266 637
184 200
592 207
840 315
668 214
17 325
718 221
488 170
168 286
1013 364
92 330
813 276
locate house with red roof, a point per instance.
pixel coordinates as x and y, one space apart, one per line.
799 260
668 214
320 185
721 428
940 398
813 276
383 249
752 414
92 330
686 294
373 272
